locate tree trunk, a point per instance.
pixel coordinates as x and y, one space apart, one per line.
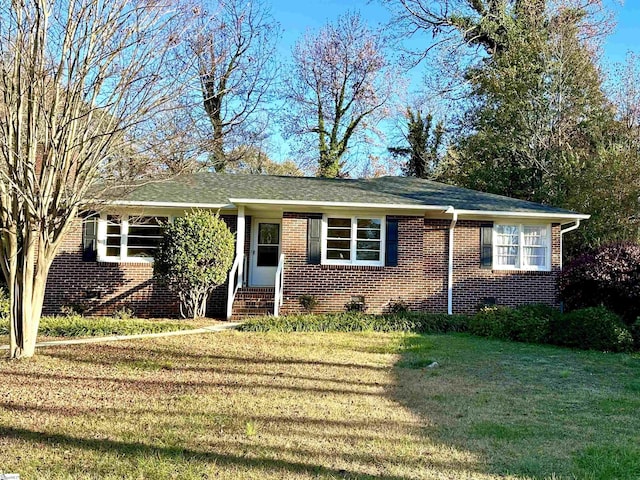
27 285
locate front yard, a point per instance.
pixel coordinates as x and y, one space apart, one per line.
361 405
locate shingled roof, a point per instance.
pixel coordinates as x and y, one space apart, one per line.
222 189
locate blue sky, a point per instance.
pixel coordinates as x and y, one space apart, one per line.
296 17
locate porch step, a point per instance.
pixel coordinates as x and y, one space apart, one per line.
253 302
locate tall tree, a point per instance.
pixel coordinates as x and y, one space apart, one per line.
78 79
233 47
423 139
338 85
538 124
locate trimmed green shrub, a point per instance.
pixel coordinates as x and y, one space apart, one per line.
594 328
608 276
532 323
78 326
194 257
491 322
359 322
526 323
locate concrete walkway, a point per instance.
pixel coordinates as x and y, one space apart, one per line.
118 338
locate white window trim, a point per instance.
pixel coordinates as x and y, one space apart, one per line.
519 267
353 239
124 235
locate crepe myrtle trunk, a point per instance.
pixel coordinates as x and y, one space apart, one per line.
193 302
29 263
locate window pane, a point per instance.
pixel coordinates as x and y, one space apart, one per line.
269 234
367 255
268 255
535 256
339 233
368 245
339 244
369 223
150 231
338 254
114 237
140 251
339 222
145 234
373 234
152 242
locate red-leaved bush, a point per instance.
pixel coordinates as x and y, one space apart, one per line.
608 276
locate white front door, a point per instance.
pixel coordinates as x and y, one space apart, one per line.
265 251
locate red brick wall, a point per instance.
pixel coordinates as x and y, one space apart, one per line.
472 284
416 280
419 279
105 287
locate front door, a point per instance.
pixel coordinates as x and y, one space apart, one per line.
265 252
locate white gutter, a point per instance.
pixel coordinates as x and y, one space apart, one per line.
515 213
562 232
450 269
314 203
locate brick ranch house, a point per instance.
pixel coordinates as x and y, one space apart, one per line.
436 247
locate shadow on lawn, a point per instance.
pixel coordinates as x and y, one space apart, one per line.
143 450
525 410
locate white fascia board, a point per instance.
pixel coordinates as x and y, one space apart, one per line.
314 203
134 203
517 214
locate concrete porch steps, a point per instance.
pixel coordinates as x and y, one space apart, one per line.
253 302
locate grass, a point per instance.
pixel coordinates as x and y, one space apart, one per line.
317 406
78 326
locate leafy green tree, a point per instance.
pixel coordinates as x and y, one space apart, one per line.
423 141
537 123
194 258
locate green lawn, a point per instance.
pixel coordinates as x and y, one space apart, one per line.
360 405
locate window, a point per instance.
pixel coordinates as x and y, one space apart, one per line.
133 238
353 241
522 247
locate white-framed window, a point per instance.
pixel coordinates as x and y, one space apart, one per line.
353 240
129 238
521 247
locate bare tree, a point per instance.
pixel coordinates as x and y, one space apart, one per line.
339 82
78 80
234 52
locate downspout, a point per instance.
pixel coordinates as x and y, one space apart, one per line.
454 220
562 232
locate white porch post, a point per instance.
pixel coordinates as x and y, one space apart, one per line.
450 269
240 228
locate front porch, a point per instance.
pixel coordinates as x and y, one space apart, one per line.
256 277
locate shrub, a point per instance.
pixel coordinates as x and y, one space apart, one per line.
532 323
593 328
359 322
526 323
308 302
194 257
397 306
5 305
491 322
608 276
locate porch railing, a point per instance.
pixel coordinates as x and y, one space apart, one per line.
235 282
279 287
